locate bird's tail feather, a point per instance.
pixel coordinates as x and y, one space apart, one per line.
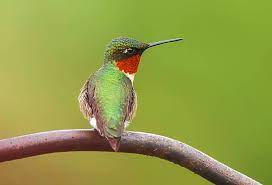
114 142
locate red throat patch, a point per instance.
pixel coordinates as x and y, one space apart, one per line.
129 65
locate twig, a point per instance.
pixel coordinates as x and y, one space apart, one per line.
132 142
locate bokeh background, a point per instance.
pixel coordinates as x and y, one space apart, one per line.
213 91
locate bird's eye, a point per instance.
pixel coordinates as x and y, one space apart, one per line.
129 51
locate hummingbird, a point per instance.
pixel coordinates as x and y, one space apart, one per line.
107 99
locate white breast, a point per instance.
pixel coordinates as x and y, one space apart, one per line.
130 76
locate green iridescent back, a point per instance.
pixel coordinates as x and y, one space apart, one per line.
113 89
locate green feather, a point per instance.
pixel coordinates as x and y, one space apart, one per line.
112 92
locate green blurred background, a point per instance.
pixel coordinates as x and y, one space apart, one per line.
213 91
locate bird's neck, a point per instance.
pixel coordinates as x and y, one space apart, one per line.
128 66
114 67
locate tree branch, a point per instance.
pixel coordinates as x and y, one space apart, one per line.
132 142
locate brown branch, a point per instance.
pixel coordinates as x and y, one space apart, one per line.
132 142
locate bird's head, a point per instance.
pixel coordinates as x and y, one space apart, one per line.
125 53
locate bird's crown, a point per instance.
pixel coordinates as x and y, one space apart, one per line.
123 47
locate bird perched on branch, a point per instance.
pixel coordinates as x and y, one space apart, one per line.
108 99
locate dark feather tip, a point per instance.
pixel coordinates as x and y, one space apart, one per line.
115 143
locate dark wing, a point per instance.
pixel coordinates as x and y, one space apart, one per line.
132 106
86 99
88 105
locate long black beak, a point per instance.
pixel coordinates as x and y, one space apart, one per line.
163 42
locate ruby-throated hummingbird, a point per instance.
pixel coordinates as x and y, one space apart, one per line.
108 99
